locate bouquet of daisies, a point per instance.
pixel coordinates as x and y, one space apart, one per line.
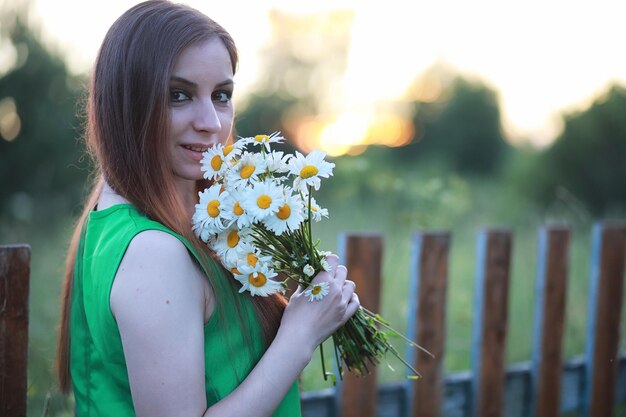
257 217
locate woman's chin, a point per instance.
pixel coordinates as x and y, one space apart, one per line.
189 176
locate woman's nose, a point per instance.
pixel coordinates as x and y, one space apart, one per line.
206 117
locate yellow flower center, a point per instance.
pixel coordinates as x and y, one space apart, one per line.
313 208
213 208
228 149
262 138
316 289
284 212
235 271
233 239
246 171
237 209
252 259
216 162
257 281
264 201
308 171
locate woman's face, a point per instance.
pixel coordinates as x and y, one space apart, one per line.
201 110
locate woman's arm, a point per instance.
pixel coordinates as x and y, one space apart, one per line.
158 299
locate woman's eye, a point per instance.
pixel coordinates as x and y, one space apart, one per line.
222 96
177 96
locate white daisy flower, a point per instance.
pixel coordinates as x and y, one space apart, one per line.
232 151
258 281
230 243
263 200
246 170
233 210
209 217
213 163
308 170
317 291
325 265
233 269
308 270
265 140
288 217
251 257
317 212
277 162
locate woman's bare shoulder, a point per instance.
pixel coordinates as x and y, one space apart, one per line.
156 269
156 243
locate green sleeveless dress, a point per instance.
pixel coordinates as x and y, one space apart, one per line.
97 364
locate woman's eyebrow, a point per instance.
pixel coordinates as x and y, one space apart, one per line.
195 85
184 81
225 83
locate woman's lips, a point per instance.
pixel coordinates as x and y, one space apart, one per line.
195 151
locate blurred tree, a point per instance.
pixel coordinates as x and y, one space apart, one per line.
588 159
264 114
39 154
462 129
301 64
40 181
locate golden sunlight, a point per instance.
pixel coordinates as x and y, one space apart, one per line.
10 122
539 63
350 133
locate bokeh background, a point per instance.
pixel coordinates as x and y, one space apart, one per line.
449 115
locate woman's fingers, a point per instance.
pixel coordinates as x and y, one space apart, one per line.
351 309
347 290
341 273
333 261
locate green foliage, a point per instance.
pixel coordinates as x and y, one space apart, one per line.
463 132
417 196
263 114
40 169
587 161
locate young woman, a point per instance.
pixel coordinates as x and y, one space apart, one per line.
151 324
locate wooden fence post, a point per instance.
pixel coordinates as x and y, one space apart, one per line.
14 285
490 322
550 301
605 304
362 254
427 320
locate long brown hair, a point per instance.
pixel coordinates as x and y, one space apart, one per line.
126 134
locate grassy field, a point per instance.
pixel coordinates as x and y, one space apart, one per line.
395 206
461 285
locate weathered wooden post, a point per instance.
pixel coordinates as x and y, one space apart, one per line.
363 255
427 320
605 306
491 295
550 301
14 286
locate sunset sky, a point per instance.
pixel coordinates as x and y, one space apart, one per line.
543 57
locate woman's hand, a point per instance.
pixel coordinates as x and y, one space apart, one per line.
312 322
305 324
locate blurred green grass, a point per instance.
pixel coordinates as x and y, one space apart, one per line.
394 205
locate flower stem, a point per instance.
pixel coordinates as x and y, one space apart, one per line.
322 358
